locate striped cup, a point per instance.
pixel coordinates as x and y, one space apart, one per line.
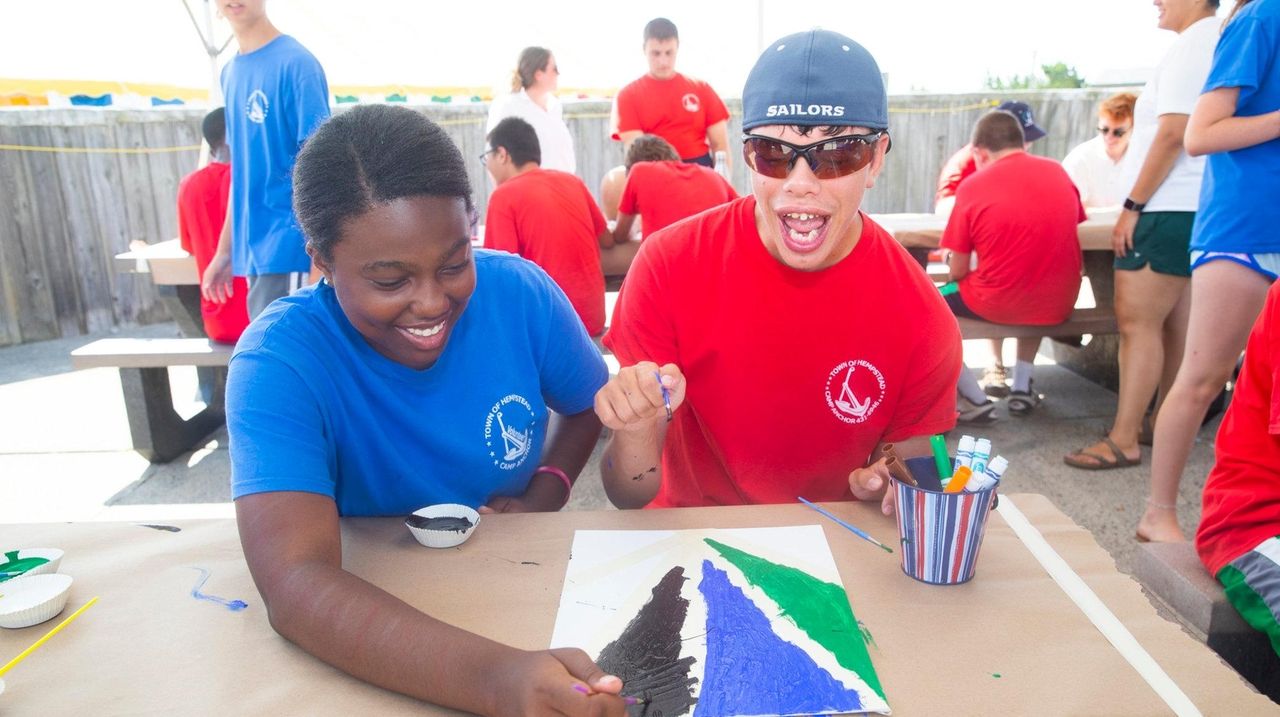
941 532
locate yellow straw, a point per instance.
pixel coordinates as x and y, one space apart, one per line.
23 655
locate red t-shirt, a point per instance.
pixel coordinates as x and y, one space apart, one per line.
1019 215
793 377
551 219
663 193
678 109
202 208
956 170
1242 493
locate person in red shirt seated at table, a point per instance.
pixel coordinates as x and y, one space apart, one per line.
770 347
663 190
546 216
202 208
1239 535
1018 213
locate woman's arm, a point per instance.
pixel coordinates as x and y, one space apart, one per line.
1159 161
570 440
292 545
1213 126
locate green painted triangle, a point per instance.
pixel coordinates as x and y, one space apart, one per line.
821 609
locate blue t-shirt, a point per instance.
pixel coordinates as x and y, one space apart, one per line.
312 407
276 96
1238 207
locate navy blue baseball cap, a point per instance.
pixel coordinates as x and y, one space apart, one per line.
1030 130
815 78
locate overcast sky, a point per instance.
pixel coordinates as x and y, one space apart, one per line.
927 45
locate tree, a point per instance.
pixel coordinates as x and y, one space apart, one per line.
1057 75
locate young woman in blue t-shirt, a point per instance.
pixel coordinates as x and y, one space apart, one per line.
418 371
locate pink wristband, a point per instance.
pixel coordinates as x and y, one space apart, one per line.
568 484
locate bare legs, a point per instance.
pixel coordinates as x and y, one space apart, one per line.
1226 300
1151 310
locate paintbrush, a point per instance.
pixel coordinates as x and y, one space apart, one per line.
856 531
628 701
25 653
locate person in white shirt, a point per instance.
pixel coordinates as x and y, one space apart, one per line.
1151 240
1094 166
533 99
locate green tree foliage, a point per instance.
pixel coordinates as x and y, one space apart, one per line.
1055 76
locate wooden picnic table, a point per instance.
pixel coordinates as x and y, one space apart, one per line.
1011 641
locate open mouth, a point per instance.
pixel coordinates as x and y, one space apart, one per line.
803 232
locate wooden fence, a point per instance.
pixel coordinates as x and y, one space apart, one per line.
77 186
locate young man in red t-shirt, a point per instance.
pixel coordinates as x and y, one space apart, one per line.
663 190
548 217
792 336
202 209
1018 214
1239 535
684 111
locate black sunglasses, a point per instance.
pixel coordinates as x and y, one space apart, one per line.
1118 132
827 159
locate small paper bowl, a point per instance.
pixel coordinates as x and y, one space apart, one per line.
53 555
32 599
446 536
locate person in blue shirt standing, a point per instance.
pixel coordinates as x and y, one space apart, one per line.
1235 245
276 95
419 370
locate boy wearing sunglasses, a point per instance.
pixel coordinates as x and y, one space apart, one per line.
771 346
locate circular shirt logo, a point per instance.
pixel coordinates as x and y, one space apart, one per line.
508 431
257 106
690 102
854 390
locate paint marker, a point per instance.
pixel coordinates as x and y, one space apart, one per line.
628 701
900 471
666 395
995 470
856 531
940 457
981 454
964 452
958 481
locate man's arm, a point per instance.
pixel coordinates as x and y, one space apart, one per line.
718 138
216 284
1213 126
622 228
958 264
292 545
631 404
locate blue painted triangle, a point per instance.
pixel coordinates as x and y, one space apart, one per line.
752 671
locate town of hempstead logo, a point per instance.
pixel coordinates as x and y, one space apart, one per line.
508 431
257 106
690 102
854 390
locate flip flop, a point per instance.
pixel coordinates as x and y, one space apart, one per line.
1088 461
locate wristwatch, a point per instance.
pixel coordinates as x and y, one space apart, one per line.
1133 206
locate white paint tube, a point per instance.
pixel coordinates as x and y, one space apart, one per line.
981 454
964 453
982 481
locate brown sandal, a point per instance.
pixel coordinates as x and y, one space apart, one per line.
1088 461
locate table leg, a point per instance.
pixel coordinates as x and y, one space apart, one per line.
159 433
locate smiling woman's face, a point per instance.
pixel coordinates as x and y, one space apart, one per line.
403 274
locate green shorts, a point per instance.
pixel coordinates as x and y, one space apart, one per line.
1163 240
1252 584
